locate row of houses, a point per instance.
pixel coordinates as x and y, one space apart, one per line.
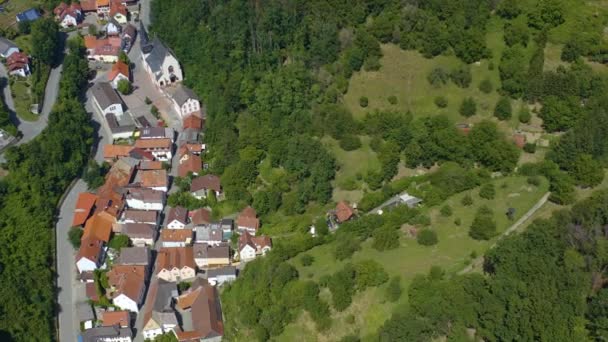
17 62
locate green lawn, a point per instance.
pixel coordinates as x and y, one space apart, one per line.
452 253
352 166
22 97
11 8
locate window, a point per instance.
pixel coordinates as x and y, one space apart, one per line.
171 69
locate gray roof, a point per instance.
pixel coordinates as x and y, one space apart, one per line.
165 318
204 251
85 312
181 94
222 271
227 224
134 256
139 230
105 95
6 44
189 134
156 132
100 334
204 233
164 296
130 31
143 216
146 195
157 55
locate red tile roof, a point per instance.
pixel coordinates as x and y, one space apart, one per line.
178 257
344 212
128 280
161 143
175 235
119 68
189 163
90 248
208 182
205 318
256 242
248 218
116 151
91 291
200 216
98 227
88 5
193 121
84 207
111 318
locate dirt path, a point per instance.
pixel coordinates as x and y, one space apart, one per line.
478 261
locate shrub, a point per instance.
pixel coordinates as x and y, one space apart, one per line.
155 112
461 76
307 260
530 148
534 180
350 142
346 247
376 143
437 77
392 99
458 221
393 291
385 238
524 115
487 191
74 236
125 87
118 242
441 102
427 237
467 200
483 226
446 211
148 101
503 109
363 101
468 107
486 86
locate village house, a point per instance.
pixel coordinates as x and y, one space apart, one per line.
195 148
110 195
219 276
119 318
175 264
200 217
157 133
251 246
90 255
141 155
145 199
112 153
209 235
140 234
127 286
139 216
107 334
68 15
150 164
184 100
160 148
18 64
202 186
208 256
113 28
177 218
201 313
128 37
343 212
160 64
7 47
247 221
227 226
193 121
135 256
84 208
106 100
103 8
176 237
105 50
118 12
152 179
189 164
30 15
86 316
120 71
159 316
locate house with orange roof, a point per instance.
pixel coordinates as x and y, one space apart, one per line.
248 221
99 227
344 212
18 63
201 313
88 5
189 164
160 148
68 15
103 8
127 286
120 71
84 207
152 179
112 152
203 186
176 237
175 264
193 121
150 165
112 318
103 50
118 11
90 255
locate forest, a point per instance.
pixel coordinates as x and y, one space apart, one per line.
38 174
275 75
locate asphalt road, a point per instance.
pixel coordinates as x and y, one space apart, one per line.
70 291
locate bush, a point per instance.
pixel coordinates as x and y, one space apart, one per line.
307 260
446 211
74 236
346 247
376 143
534 180
441 102
458 221
487 191
393 290
350 142
486 86
483 226
467 200
148 101
530 148
117 242
461 76
392 99
468 107
125 87
438 77
503 109
427 237
524 115
363 101
385 238
155 112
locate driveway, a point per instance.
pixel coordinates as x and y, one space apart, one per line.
70 291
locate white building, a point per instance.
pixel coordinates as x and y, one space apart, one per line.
219 276
184 100
106 100
145 199
161 65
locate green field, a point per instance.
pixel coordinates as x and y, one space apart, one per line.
20 88
453 253
11 8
